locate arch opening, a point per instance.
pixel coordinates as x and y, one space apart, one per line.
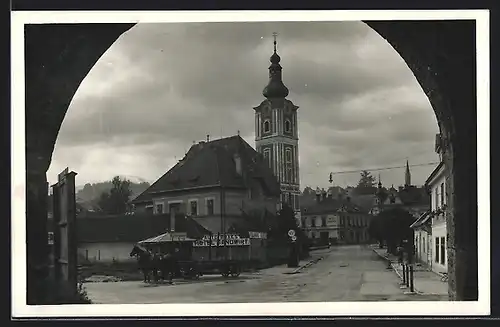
431 66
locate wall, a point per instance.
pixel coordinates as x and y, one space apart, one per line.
235 201
105 252
354 228
439 221
423 242
435 186
345 227
439 231
185 197
332 225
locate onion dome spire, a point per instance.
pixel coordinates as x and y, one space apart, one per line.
275 88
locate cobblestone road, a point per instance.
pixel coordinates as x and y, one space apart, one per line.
346 273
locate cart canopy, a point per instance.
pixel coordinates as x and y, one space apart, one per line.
167 238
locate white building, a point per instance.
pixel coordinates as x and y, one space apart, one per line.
436 183
423 239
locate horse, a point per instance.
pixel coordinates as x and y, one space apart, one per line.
144 260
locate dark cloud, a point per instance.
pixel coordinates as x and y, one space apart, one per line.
162 86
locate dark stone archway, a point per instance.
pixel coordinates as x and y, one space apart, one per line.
441 55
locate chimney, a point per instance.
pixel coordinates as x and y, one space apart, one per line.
208 138
318 195
237 162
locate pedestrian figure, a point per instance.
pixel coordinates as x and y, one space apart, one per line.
400 253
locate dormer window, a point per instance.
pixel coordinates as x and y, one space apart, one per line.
267 126
288 126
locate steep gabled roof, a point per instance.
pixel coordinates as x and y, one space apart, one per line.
433 174
422 220
212 164
364 201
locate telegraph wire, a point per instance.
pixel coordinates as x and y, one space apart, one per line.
382 168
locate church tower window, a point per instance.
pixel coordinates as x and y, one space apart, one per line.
288 126
267 126
267 157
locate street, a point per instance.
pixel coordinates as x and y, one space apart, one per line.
346 273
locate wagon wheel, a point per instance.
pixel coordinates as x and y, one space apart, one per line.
196 275
225 274
234 271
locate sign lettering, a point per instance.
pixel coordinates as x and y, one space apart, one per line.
233 241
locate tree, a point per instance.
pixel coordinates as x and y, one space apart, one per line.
392 226
366 180
366 184
285 221
116 200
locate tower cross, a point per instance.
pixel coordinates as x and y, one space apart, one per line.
274 36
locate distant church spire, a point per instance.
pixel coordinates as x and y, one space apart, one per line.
407 175
275 88
379 182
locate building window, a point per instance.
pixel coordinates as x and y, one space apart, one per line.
267 156
288 126
313 222
288 177
193 204
323 221
159 208
443 251
267 126
442 193
288 155
437 250
51 238
210 206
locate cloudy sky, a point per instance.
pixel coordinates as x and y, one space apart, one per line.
162 86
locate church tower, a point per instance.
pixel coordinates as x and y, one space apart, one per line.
276 133
407 175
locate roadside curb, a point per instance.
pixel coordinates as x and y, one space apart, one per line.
307 265
396 270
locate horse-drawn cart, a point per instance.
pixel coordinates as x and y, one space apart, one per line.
188 258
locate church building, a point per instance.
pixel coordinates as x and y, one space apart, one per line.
276 134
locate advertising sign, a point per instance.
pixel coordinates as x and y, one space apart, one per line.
260 235
231 240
